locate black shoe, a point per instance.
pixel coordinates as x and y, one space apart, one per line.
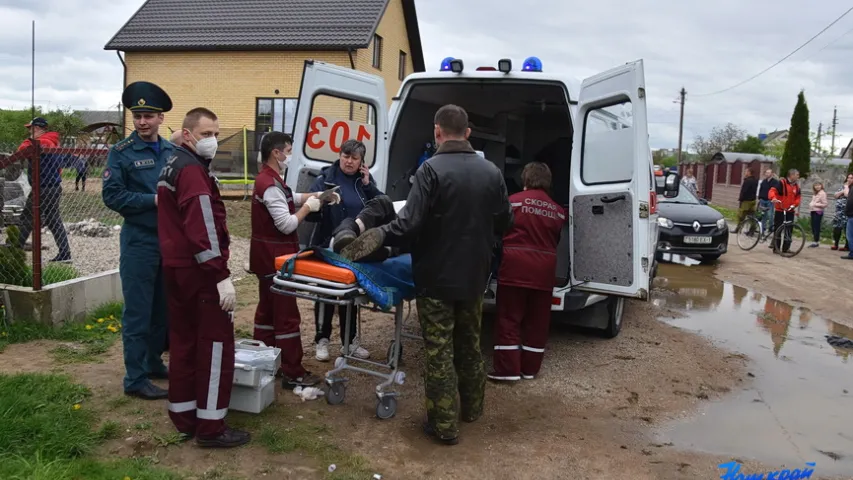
432 433
342 236
164 375
307 380
377 212
230 438
149 392
847 257
58 259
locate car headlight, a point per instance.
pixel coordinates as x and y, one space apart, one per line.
664 222
721 224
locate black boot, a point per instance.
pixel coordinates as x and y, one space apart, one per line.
342 236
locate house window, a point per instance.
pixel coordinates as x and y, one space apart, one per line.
401 74
377 52
274 114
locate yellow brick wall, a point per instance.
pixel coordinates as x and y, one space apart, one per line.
392 29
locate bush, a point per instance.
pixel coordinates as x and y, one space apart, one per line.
14 269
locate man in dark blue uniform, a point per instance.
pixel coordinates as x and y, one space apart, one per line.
130 188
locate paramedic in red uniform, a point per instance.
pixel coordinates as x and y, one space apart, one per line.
274 222
526 278
194 242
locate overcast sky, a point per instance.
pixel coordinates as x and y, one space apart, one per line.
705 47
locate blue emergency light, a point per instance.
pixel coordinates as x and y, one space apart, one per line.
532 64
445 64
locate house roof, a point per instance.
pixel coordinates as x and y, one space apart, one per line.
845 152
732 157
91 117
775 135
241 25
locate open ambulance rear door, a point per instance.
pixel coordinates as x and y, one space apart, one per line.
335 105
610 186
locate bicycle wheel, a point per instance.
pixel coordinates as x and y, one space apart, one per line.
748 233
790 232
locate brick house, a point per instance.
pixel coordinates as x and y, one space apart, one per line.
244 59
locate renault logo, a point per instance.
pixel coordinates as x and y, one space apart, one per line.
696 226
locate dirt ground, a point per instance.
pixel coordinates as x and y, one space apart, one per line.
590 415
817 278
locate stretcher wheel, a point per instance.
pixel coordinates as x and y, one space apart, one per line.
337 393
386 407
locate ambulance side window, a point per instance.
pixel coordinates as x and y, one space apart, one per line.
335 120
607 153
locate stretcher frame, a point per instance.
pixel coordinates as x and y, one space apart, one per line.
329 293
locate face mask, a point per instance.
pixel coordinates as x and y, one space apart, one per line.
206 147
282 164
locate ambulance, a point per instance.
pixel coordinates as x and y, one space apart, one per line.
592 134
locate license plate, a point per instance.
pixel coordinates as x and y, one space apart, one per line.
701 240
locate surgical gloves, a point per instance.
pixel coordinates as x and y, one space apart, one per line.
313 204
227 295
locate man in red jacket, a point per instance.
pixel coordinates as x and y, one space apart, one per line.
526 278
194 243
785 194
274 222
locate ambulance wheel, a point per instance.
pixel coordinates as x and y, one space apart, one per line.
615 309
337 393
386 407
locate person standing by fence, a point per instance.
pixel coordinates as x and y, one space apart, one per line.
50 189
130 189
839 223
816 206
765 205
748 189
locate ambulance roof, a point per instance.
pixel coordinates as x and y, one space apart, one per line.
471 74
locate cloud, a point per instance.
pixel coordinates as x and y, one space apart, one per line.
705 48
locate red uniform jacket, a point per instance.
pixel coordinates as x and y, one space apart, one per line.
191 217
530 247
268 242
788 193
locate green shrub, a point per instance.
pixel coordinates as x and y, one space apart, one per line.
14 269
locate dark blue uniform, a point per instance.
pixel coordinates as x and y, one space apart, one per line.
130 188
130 185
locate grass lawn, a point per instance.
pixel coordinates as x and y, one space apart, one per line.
239 217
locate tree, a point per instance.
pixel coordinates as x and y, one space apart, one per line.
12 131
798 150
850 167
721 139
667 162
750 144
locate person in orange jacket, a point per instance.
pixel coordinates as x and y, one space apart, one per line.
786 196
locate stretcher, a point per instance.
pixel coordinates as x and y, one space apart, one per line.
322 276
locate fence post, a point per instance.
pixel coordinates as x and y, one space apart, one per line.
36 199
245 166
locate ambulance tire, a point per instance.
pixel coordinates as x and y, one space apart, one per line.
615 310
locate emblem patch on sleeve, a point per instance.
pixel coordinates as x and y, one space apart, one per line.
107 173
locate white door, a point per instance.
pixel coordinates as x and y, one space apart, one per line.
336 104
610 189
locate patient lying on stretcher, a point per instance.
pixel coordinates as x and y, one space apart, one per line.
376 212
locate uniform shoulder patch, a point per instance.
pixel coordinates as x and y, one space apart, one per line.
107 173
123 144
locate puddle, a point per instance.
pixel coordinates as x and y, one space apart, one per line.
799 407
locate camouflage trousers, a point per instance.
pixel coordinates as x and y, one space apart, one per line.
454 364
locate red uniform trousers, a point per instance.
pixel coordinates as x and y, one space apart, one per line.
521 331
201 360
277 322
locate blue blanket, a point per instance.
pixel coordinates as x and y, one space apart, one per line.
386 283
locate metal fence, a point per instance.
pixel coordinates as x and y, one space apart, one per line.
77 234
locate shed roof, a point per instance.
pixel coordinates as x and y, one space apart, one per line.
732 157
241 25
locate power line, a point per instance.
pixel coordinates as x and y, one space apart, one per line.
780 61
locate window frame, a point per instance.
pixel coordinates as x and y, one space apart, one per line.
377 52
612 103
401 69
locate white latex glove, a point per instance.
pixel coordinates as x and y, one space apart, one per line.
330 196
313 204
227 295
334 198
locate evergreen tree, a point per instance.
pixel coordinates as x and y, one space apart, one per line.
798 150
850 167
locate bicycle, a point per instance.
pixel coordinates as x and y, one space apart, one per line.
787 231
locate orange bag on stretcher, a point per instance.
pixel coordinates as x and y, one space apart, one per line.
316 268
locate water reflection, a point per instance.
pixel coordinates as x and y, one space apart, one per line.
797 406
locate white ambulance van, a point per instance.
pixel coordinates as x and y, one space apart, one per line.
593 135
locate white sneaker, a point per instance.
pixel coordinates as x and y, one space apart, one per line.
322 350
356 350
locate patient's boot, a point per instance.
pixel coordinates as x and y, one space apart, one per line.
367 247
342 236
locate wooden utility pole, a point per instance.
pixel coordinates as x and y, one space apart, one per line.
819 134
683 93
834 124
